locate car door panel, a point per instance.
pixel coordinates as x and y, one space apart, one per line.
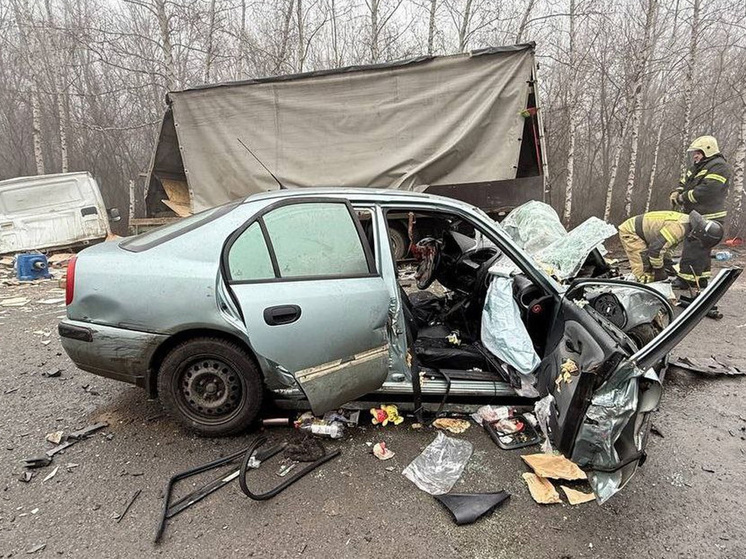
323 315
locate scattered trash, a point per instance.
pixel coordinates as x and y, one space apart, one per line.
11 390
451 424
135 495
491 413
352 420
36 548
554 466
567 370
285 468
14 302
51 474
61 258
37 462
381 452
707 469
26 477
712 367
55 437
575 497
53 373
541 489
467 508
656 431
277 422
543 411
56 301
511 433
733 242
723 255
437 469
310 424
386 414
307 450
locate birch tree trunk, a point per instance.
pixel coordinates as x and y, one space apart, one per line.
572 112
62 112
463 32
618 148
210 42
524 21
639 91
739 162
285 36
686 129
431 28
36 131
301 50
165 44
373 31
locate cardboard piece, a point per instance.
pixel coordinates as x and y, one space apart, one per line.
541 489
575 497
554 466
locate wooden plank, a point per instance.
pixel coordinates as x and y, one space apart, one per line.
177 192
179 209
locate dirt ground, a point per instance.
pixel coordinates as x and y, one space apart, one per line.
687 500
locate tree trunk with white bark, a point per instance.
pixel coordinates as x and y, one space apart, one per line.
739 162
431 28
686 129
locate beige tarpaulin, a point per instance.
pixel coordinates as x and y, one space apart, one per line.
439 121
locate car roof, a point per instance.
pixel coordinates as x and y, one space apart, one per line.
378 195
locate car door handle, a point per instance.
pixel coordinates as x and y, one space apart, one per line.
281 314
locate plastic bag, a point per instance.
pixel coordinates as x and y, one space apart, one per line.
437 469
504 334
543 410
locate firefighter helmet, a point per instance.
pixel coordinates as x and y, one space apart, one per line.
708 232
706 144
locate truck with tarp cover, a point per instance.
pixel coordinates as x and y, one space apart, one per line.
467 126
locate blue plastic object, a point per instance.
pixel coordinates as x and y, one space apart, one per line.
32 267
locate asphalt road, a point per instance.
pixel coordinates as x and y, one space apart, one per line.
687 501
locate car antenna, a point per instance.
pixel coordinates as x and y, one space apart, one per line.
282 186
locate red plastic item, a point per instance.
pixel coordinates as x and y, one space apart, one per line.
734 242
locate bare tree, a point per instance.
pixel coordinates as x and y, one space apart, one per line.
689 82
572 110
524 20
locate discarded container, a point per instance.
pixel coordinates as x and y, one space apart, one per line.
723 255
32 267
333 430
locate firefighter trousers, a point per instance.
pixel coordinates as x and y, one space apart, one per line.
635 247
695 261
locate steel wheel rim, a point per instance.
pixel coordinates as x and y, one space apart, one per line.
209 390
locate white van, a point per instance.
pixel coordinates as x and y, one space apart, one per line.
51 211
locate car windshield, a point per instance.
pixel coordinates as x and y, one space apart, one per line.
160 235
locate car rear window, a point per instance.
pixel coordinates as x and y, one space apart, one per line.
160 235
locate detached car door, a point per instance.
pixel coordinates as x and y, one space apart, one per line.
314 305
603 387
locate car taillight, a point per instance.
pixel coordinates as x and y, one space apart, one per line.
70 281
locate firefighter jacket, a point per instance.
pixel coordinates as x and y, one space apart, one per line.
704 187
661 231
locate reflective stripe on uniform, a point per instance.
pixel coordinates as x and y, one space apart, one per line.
691 197
656 262
716 215
701 173
719 178
668 236
628 226
692 278
688 173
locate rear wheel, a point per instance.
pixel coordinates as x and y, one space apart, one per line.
643 334
211 386
399 242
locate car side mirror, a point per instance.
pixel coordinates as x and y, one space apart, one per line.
114 214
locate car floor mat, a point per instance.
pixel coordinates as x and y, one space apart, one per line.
467 508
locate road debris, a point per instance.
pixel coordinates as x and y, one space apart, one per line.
437 469
51 474
451 424
575 497
36 548
26 477
381 452
711 367
467 508
553 466
135 495
55 437
64 442
541 489
15 302
54 373
37 462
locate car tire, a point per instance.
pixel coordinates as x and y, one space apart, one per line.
643 334
399 242
211 386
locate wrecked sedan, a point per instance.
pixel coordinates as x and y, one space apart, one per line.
295 296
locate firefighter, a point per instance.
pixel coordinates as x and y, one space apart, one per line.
649 238
704 188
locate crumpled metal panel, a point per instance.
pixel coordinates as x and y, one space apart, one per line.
604 428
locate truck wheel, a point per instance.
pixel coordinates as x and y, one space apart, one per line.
211 386
399 242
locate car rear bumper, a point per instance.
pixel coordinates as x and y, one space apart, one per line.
107 351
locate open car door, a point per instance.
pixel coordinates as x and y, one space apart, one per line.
315 307
600 388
